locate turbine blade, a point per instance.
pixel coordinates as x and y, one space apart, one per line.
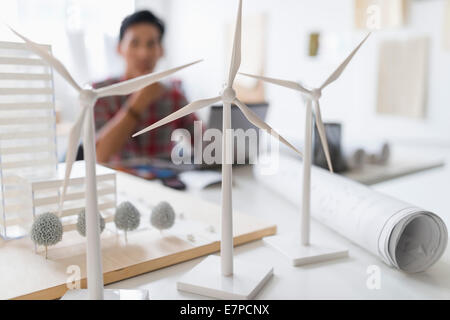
283 83
47 57
322 134
192 107
253 118
336 74
236 53
72 148
130 86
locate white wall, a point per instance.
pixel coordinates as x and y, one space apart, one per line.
196 28
82 34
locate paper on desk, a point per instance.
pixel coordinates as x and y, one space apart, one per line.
200 179
375 151
402 235
356 153
354 157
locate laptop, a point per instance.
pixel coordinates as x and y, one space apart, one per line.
238 121
157 166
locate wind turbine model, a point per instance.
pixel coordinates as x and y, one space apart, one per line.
304 252
205 279
87 98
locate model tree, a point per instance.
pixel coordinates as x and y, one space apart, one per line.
127 217
81 223
47 230
163 216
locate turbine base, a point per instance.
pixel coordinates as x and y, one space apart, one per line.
206 280
299 254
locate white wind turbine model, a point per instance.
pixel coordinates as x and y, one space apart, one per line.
205 278
87 99
303 252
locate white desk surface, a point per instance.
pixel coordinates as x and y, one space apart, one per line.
340 279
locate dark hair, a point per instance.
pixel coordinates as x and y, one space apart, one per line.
143 16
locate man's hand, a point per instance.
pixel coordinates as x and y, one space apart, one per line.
140 100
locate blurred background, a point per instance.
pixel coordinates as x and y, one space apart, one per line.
396 88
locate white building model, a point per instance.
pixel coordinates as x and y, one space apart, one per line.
31 178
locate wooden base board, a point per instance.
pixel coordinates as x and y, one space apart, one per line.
27 275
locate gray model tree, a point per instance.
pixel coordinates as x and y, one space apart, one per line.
81 223
163 216
127 217
47 230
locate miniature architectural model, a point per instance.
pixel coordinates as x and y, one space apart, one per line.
27 133
87 99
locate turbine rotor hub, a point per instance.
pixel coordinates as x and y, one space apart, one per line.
87 96
228 95
316 94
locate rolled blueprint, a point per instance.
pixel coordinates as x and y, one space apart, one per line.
402 235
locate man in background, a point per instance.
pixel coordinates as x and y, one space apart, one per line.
117 118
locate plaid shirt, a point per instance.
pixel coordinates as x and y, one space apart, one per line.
156 143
